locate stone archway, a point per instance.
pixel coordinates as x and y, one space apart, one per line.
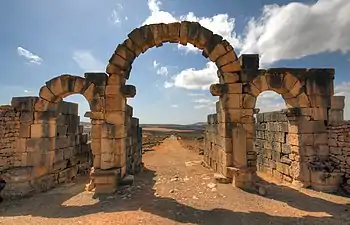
301 128
64 85
214 47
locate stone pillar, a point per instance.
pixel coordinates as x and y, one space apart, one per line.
235 127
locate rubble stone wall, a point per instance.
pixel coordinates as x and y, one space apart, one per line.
9 132
47 147
274 155
133 144
339 151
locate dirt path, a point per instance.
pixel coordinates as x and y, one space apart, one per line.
175 189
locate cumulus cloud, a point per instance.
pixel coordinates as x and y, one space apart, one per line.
174 106
269 101
220 24
87 61
161 70
296 30
35 59
195 79
281 32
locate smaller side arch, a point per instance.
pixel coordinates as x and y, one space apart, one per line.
284 83
64 85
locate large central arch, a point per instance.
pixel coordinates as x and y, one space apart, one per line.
140 39
213 46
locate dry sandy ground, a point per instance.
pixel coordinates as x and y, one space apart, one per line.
164 129
175 189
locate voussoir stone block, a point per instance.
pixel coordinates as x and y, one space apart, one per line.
125 53
227 58
120 62
193 32
68 83
184 28
210 45
231 67
47 95
173 32
89 92
219 50
55 86
157 32
204 36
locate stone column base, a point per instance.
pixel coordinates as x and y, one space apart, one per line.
243 178
105 181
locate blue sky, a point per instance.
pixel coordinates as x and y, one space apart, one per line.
43 39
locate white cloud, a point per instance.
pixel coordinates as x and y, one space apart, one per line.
220 24
196 94
195 79
202 100
289 31
174 106
88 62
269 101
163 71
27 91
155 64
296 30
35 59
115 16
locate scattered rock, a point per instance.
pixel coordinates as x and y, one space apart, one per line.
211 185
127 180
213 189
171 191
195 197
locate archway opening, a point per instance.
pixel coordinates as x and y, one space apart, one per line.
73 139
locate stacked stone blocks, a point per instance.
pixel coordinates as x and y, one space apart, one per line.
49 148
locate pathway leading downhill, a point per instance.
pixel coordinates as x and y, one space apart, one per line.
175 189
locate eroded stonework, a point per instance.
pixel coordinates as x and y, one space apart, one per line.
116 138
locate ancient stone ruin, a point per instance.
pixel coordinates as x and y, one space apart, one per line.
42 143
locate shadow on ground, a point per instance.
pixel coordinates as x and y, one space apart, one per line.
145 200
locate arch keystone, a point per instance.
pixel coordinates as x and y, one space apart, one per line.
157 31
184 29
173 32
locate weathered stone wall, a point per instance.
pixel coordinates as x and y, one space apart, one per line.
133 144
293 153
218 148
274 155
48 147
339 153
9 132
